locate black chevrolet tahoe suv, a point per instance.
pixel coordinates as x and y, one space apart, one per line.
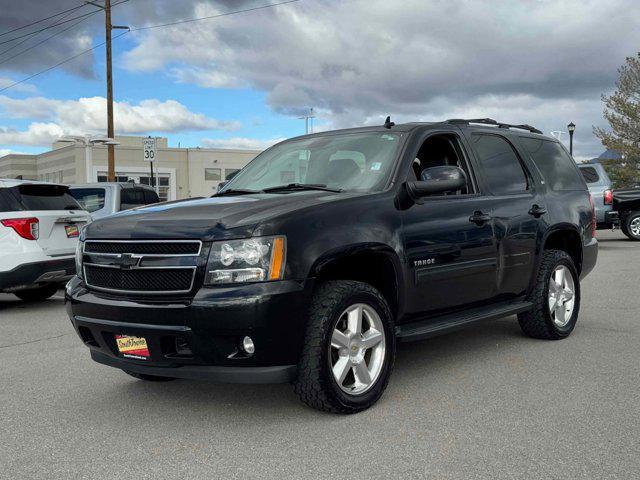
327 250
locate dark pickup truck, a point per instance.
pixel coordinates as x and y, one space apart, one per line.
627 204
328 249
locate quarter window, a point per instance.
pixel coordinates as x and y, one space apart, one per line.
590 174
557 168
501 166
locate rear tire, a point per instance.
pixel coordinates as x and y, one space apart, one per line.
556 303
630 226
349 332
37 294
149 378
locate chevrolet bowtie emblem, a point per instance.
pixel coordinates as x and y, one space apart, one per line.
127 261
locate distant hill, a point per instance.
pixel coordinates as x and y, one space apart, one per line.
606 155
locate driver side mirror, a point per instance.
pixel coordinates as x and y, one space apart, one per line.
441 179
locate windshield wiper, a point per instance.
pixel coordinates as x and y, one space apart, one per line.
235 191
301 186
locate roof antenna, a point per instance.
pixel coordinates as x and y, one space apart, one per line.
388 123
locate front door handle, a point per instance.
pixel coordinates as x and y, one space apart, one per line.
537 211
479 218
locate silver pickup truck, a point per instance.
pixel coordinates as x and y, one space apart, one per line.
103 199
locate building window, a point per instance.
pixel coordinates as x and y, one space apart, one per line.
212 174
230 172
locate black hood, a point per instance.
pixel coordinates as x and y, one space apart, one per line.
205 219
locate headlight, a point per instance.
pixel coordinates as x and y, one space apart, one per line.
79 252
249 260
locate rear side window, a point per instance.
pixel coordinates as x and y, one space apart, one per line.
8 202
37 198
150 197
131 197
501 166
91 199
590 174
557 168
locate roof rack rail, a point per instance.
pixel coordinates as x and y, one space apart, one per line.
491 121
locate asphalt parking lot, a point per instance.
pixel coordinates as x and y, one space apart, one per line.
481 403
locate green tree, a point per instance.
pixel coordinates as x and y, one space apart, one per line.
622 111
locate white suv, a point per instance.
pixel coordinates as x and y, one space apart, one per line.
39 228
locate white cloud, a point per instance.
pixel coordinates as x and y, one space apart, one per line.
21 87
240 143
364 59
36 134
88 115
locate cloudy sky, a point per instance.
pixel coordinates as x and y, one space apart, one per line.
242 80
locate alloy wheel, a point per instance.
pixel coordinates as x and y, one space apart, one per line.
561 296
634 226
357 350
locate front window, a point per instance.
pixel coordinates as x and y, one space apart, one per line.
352 162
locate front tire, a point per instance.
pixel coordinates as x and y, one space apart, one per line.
631 226
349 348
37 294
555 297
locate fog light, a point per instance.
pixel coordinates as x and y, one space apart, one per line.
248 346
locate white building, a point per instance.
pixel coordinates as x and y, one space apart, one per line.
181 172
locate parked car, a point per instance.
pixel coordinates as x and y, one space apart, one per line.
103 199
39 230
626 202
328 249
601 189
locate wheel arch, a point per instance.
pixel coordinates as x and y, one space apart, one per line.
377 264
565 237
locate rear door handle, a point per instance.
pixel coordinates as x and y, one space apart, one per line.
479 218
537 211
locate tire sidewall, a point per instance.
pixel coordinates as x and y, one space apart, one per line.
568 328
630 218
38 294
373 394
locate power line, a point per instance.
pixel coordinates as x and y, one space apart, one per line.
49 37
16 45
43 19
136 29
50 26
42 41
58 64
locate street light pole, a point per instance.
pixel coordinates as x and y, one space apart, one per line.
307 118
571 127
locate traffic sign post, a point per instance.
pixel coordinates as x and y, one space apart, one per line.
149 155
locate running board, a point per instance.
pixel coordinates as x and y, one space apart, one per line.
447 323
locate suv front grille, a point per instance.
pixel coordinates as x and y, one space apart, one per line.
140 280
144 247
141 267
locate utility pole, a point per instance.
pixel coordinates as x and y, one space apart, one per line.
111 154
111 159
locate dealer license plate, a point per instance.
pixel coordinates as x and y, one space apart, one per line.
133 347
72 231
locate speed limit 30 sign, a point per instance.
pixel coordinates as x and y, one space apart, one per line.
149 149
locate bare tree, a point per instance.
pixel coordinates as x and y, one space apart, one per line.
622 111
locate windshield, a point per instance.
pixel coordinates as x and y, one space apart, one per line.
352 162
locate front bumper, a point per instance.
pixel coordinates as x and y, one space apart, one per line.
198 338
36 273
